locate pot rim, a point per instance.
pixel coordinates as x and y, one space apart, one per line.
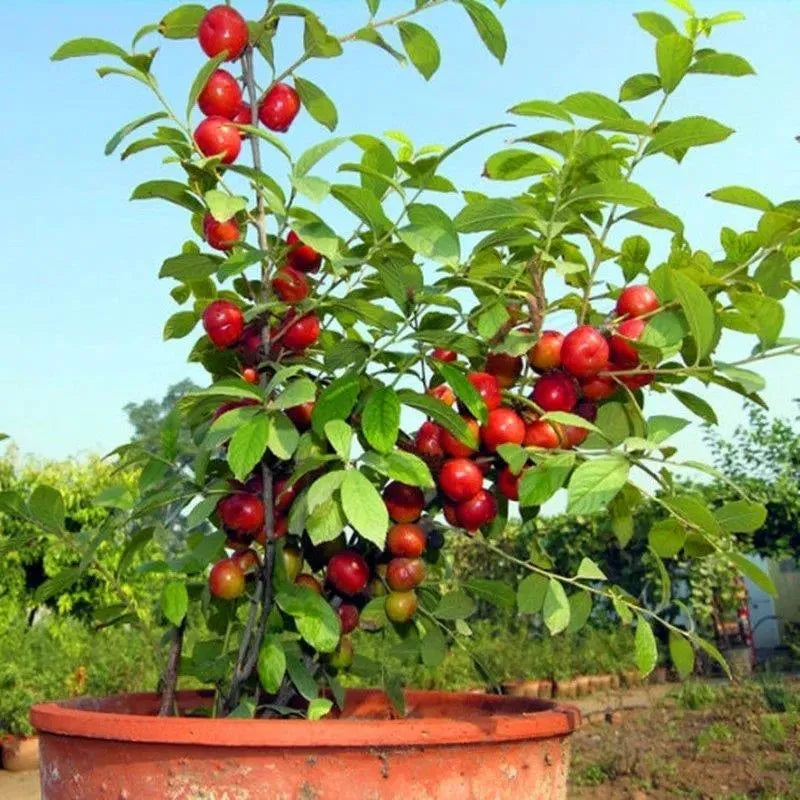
477 718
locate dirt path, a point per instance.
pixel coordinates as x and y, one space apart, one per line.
19 785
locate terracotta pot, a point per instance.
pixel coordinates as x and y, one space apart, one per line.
448 746
20 755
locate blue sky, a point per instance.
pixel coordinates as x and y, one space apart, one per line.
83 309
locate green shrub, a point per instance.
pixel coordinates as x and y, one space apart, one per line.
695 696
772 730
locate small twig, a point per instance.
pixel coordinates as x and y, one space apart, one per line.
168 706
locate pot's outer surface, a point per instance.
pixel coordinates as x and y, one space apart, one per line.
448 747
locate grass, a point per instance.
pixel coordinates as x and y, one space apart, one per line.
773 731
715 732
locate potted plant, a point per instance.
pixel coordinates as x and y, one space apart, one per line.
330 456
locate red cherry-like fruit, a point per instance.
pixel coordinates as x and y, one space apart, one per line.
283 494
575 435
623 353
478 511
278 107
241 512
488 388
636 301
348 617
302 256
301 415
428 441
251 344
226 580
217 136
449 510
403 502
584 352
440 354
555 392
250 375
348 572
290 285
600 387
247 560
301 332
455 447
508 483
309 582
460 479
400 607
223 28
403 574
221 235
223 321
406 540
503 426
243 116
546 353
444 393
505 368
541 433
221 96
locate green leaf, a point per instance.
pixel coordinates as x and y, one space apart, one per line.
189 267
112 143
764 315
496 592
380 420
325 523
336 401
773 275
318 42
87 46
174 601
464 390
180 325
182 22
594 483
531 592
455 605
491 214
171 191
431 233
364 508
722 64
666 537
697 406
660 428
515 163
741 516
556 608
433 647
369 34
655 218
639 86
316 621
492 319
541 108
317 103
319 707
271 664
580 608
741 196
322 488
655 24
363 204
440 413
301 677
421 48
594 106
673 57
223 206
682 654
302 390
488 27
539 483
201 79
754 573
46 506
590 571
315 154
401 466
340 436
623 193
687 132
128 73
282 436
57 585
247 445
698 310
646 650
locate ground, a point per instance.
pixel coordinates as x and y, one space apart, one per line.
699 741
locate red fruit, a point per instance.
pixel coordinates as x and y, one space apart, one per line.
250 375
225 407
546 353
503 426
460 479
637 380
241 513
243 116
301 332
505 368
400 606
221 96
600 387
541 433
443 393
636 301
404 503
444 355
278 107
449 510
223 321
428 441
403 574
455 447
301 415
348 617
406 540
477 511
250 345
280 527
309 582
555 392
623 353
217 136
290 285
575 435
348 572
487 387
283 494
246 560
508 483
221 235
302 256
226 580
223 28
584 352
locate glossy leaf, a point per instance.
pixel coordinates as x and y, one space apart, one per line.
594 483
317 103
271 664
380 420
174 601
673 57
687 132
556 608
364 508
488 27
646 649
421 47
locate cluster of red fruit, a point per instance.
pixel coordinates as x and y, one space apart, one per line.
576 371
224 321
